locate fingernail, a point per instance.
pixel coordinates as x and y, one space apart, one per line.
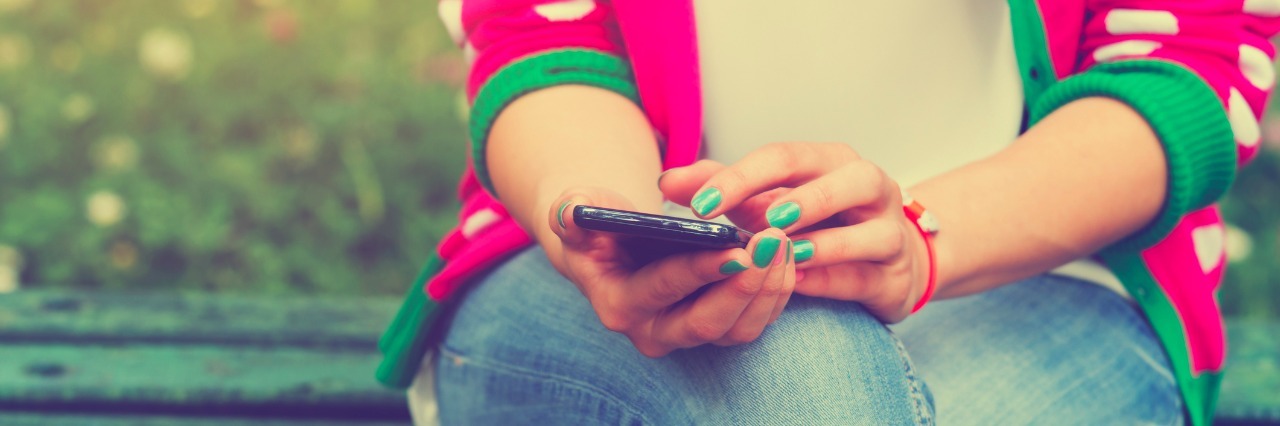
786 258
560 214
765 249
706 201
804 250
732 267
783 215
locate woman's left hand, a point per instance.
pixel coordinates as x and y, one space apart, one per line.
861 247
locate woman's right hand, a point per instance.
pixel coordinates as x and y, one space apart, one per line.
650 303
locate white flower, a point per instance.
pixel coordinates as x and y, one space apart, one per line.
77 108
10 268
13 5
6 120
166 54
105 208
14 51
8 279
1239 244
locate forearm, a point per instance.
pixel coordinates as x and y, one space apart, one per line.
1084 177
570 136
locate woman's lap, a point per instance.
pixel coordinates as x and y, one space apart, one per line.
525 346
1047 350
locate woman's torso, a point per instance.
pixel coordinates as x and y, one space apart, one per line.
918 88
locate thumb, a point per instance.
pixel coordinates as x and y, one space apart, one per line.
561 221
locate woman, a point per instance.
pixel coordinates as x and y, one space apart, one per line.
1068 152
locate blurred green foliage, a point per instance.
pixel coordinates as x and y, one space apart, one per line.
287 146
264 146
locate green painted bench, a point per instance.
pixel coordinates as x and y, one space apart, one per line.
198 359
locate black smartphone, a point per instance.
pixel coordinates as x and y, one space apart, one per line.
687 234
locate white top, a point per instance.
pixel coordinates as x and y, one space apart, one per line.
916 87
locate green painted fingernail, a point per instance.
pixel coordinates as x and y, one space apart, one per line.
765 249
560 214
706 201
732 267
804 250
783 215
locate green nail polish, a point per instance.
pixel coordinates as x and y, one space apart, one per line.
765 249
783 215
706 201
804 250
560 214
732 267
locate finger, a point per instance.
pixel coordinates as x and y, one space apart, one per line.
749 214
858 187
877 240
680 183
788 285
773 166
714 312
842 282
666 281
758 314
560 215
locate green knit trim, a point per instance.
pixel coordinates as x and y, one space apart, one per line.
1185 114
1199 392
553 68
1032 49
404 343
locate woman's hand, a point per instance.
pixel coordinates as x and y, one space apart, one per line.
724 297
853 241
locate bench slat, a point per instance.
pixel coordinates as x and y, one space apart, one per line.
102 317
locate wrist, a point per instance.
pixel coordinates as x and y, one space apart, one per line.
923 224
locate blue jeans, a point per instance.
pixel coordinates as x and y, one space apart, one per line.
525 347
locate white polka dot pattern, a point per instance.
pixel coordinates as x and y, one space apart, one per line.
1256 66
1209 242
1125 48
1268 8
478 221
1132 21
451 14
567 10
1243 123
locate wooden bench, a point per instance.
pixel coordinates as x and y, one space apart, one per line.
72 358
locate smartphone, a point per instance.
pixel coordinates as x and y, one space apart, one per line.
687 234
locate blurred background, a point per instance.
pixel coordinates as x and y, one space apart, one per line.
288 148
265 146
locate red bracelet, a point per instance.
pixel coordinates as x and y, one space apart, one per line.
928 226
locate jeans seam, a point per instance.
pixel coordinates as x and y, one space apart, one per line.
562 380
923 416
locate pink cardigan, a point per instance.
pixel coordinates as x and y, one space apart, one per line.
1200 71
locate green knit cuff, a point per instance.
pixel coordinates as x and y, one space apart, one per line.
405 340
1185 114
553 68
